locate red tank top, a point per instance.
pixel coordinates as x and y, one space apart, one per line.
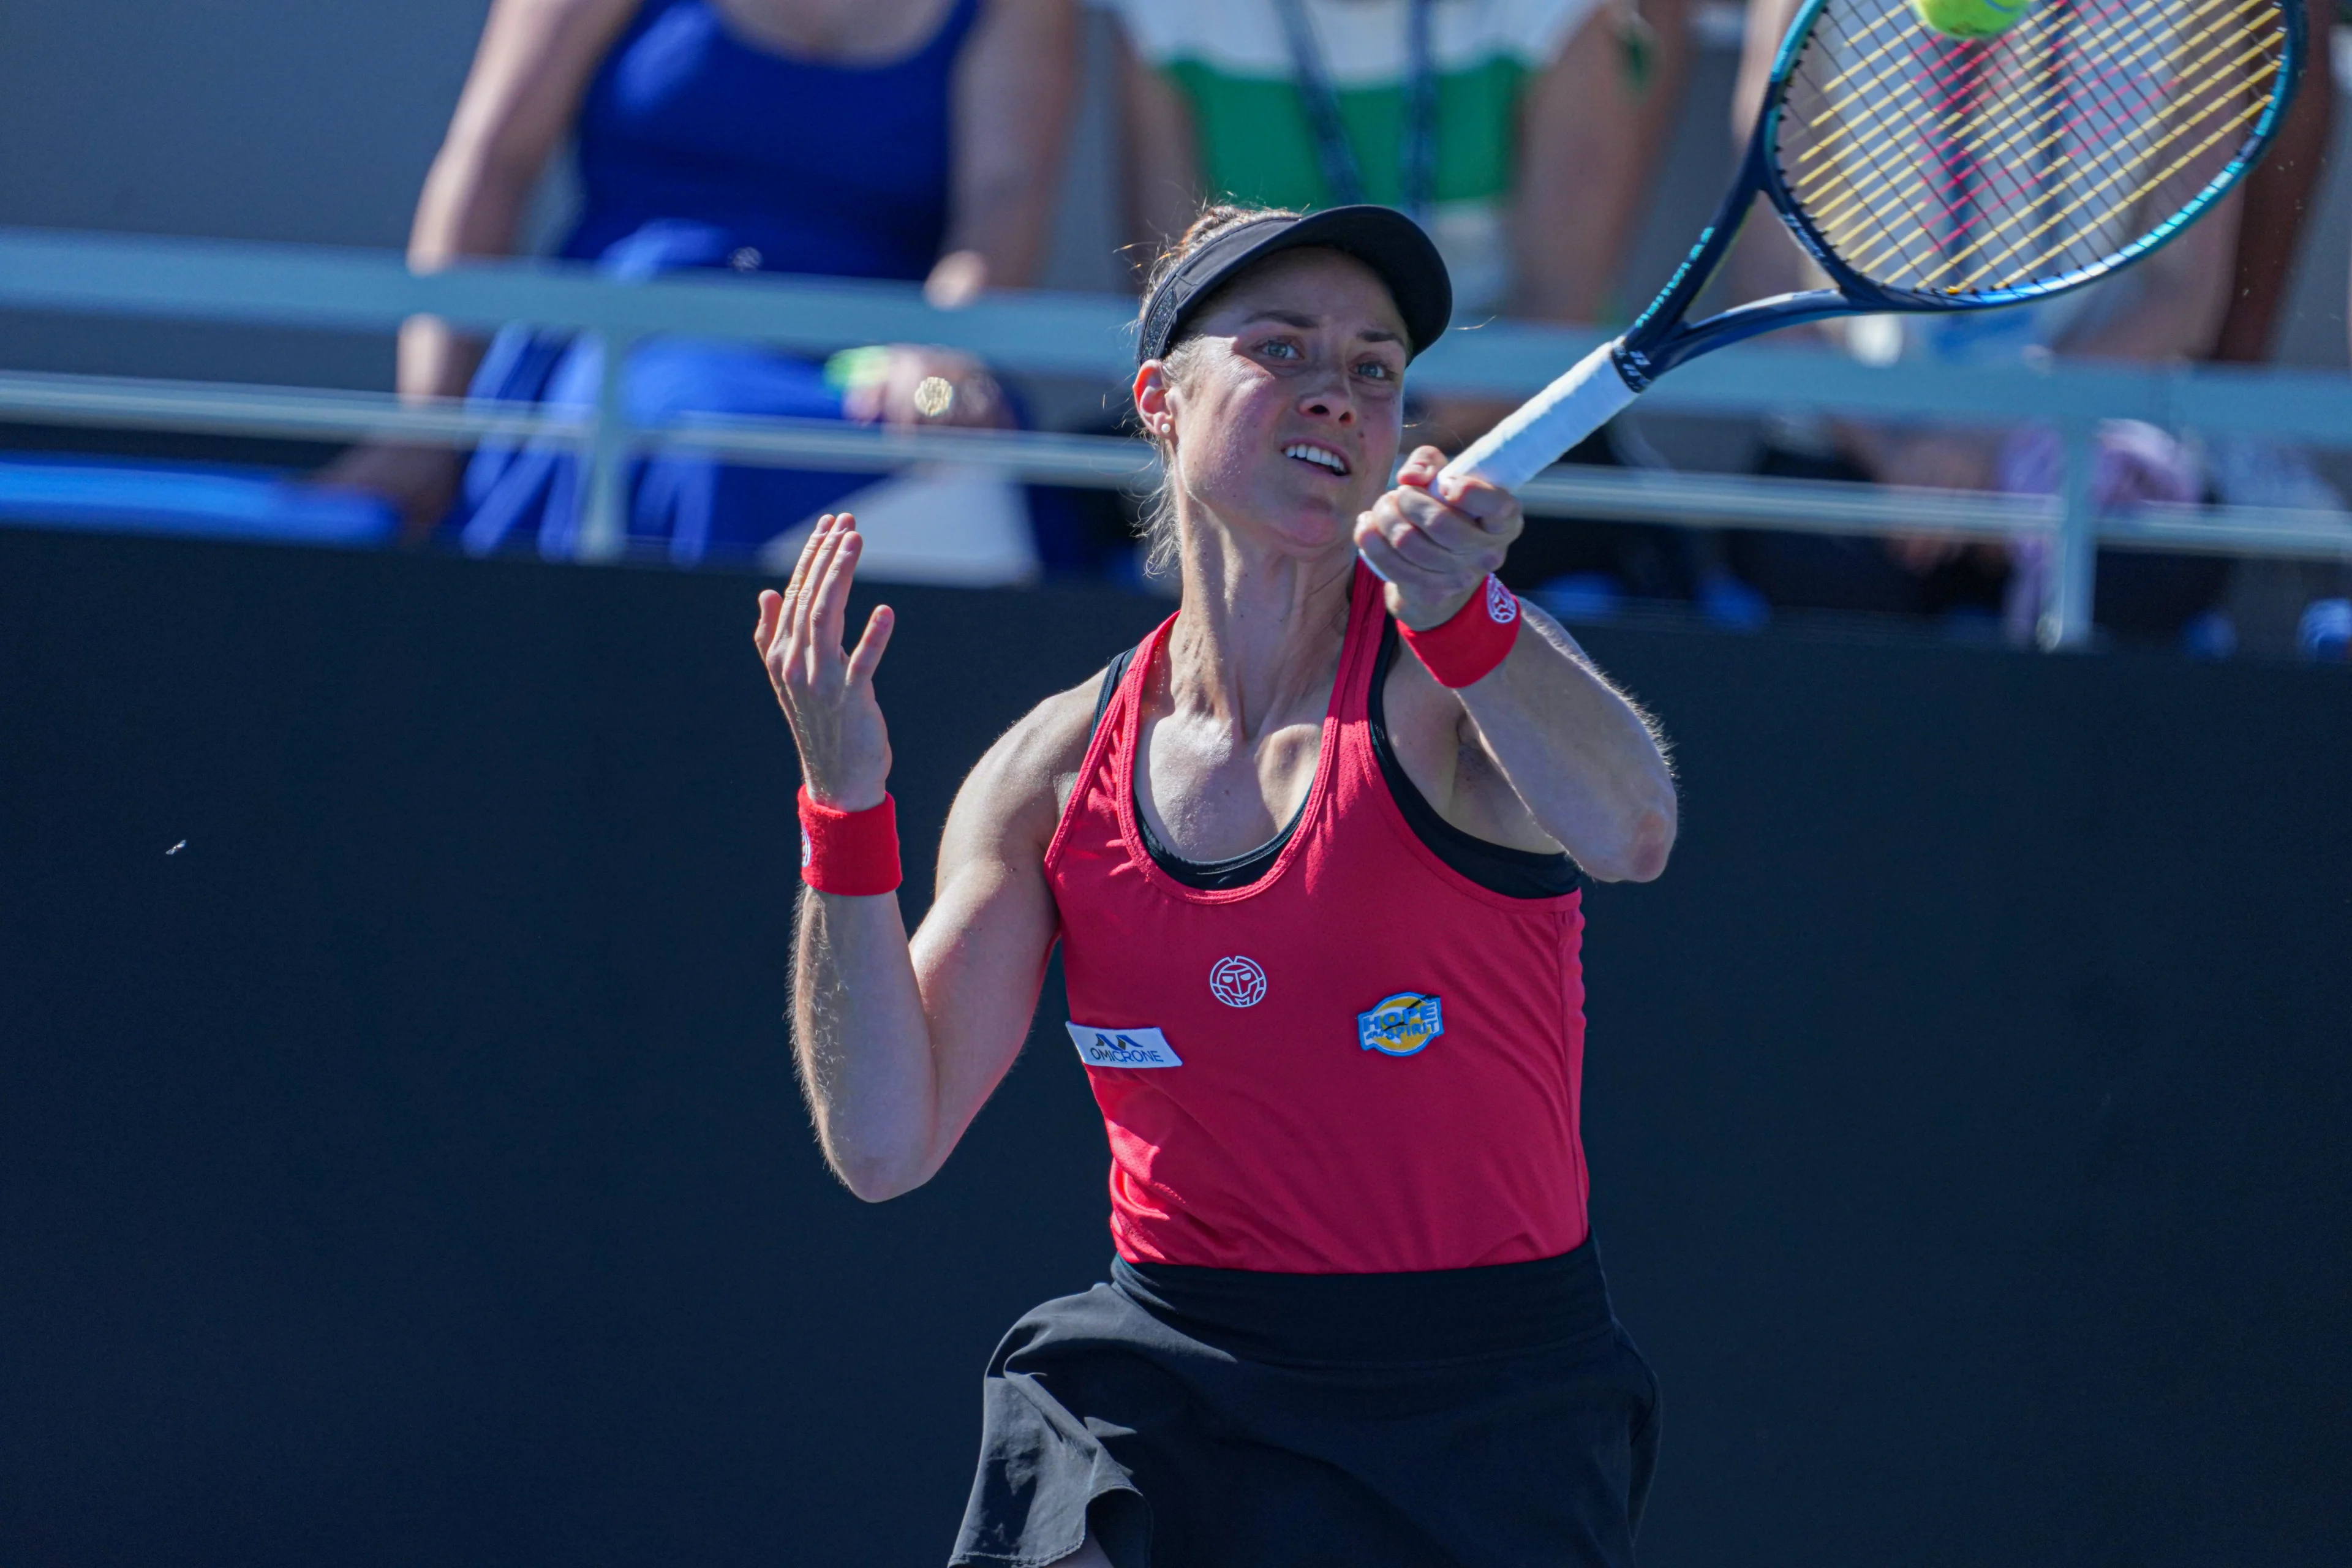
1362 1062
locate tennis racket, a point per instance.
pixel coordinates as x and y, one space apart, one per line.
1927 172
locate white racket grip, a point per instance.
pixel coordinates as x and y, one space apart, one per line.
1545 424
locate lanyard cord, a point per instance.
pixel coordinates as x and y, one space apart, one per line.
1417 148
1417 159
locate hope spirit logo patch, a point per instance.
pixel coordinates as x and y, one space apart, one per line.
1401 1025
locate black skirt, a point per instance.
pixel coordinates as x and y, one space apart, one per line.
1218 1419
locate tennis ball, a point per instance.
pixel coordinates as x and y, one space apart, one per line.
1969 19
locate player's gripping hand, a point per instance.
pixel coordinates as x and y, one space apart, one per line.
1434 554
827 694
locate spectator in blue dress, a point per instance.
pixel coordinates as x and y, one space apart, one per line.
887 138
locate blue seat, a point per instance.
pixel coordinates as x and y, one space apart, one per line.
212 501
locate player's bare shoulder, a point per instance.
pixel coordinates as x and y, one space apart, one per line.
1013 797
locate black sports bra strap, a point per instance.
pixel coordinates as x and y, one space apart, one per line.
1211 875
1110 680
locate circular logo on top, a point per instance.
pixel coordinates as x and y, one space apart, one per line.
1501 607
1237 981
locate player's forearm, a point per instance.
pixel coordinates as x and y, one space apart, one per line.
1579 755
863 1045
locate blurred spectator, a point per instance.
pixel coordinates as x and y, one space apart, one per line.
2267 599
891 139
2169 306
1520 132
2278 204
1523 133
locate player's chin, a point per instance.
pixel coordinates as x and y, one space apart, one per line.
1317 509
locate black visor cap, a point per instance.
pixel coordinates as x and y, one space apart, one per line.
1382 239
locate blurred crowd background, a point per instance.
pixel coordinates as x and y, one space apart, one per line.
1563 152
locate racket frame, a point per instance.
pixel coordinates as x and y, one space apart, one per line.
1659 340
1611 376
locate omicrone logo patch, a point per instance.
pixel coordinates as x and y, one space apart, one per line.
1237 981
1106 1046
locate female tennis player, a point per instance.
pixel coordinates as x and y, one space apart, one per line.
1312 853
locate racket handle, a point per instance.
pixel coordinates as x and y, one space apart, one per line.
1545 426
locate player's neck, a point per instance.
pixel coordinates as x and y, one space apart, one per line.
1260 631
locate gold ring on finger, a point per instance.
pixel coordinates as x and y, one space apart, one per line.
934 396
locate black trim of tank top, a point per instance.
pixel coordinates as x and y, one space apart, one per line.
1499 869
1208 876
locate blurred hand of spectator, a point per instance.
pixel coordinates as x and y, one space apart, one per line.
1929 460
910 385
419 481
1933 459
2133 463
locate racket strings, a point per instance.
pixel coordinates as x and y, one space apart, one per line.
1981 167
1998 139
2140 142
1866 124
2036 265
1872 126
2107 163
1973 169
2120 162
2132 120
1933 117
1919 118
1864 93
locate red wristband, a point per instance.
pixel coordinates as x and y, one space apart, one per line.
852 852
1477 638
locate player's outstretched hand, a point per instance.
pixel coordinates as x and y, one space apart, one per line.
1434 554
827 694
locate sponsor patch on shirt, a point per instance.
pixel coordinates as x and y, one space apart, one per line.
1401 1025
1102 1047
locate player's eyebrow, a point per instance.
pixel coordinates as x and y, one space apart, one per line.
1300 318
1307 323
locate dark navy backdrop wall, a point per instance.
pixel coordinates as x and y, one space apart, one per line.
409 1168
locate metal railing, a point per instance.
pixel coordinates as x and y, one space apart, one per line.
1085 336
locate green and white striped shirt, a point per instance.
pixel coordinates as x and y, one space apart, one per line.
1253 141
